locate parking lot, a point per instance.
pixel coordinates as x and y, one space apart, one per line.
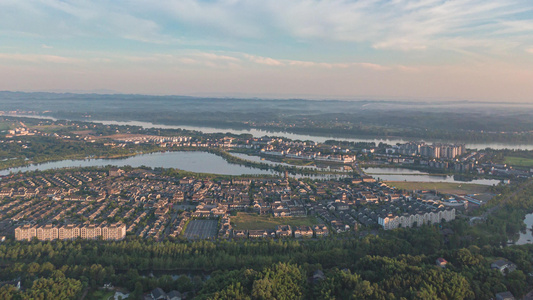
201 229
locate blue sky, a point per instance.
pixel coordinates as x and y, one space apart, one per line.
388 49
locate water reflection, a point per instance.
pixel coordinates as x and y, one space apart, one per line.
371 171
201 162
198 162
526 237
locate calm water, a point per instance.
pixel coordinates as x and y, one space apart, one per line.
372 171
432 178
256 158
403 174
527 236
201 162
294 136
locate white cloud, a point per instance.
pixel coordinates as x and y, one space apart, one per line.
44 46
191 58
400 44
213 56
387 25
264 60
374 67
37 58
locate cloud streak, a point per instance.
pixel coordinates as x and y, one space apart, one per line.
381 40
37 58
394 24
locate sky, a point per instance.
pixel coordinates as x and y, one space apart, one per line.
431 50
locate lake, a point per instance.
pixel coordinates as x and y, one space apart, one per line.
201 162
371 171
433 178
204 162
403 174
198 162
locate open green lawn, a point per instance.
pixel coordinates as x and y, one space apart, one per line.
6 125
99 295
250 221
519 161
444 187
298 162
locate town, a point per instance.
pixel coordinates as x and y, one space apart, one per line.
98 140
320 195
111 204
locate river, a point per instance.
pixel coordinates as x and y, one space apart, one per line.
316 138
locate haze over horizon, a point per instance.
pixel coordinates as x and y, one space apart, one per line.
431 50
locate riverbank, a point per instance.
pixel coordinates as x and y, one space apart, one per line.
292 133
18 163
277 168
441 187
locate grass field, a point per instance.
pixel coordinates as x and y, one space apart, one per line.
519 161
444 187
99 295
247 221
298 162
6 125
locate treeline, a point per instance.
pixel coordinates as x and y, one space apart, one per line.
398 264
39 149
264 166
395 264
56 287
51 268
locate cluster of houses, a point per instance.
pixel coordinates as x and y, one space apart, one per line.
307 151
147 203
21 131
153 139
175 141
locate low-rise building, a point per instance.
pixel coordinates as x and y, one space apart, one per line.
321 230
503 266
303 231
284 231
49 232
